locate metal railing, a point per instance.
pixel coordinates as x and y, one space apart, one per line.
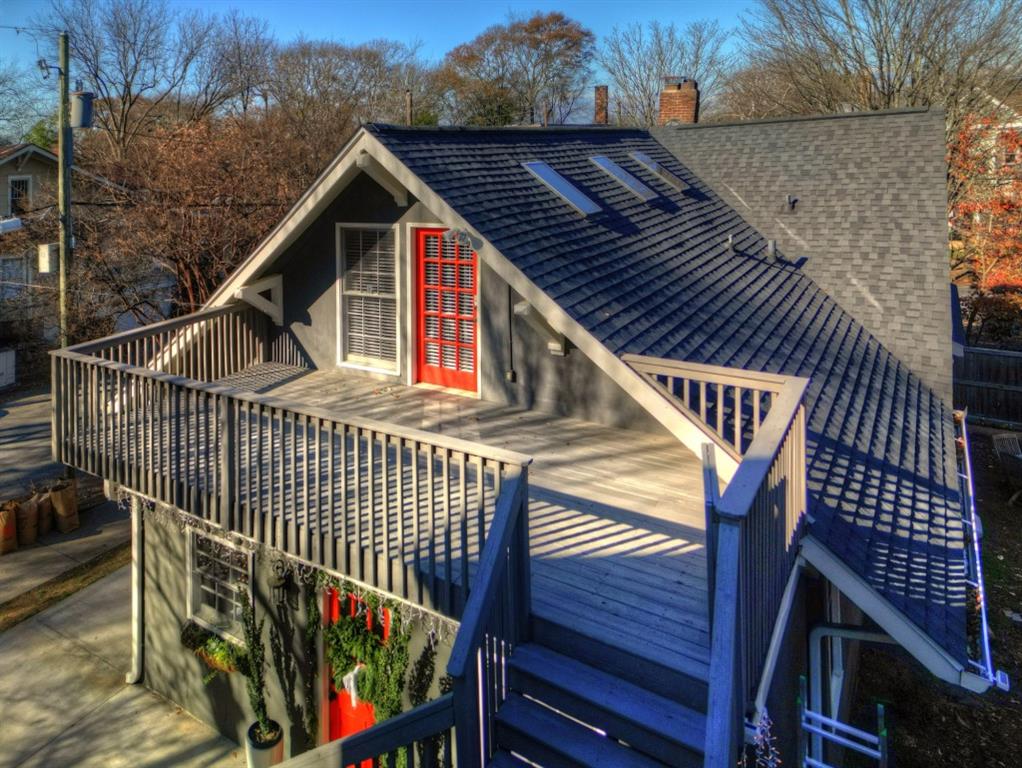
397 509
753 533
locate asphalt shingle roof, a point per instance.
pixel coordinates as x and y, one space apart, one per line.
657 278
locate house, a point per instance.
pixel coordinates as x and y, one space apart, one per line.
28 175
561 413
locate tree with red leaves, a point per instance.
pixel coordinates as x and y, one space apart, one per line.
986 219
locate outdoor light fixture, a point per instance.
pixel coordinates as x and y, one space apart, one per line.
461 238
45 68
281 583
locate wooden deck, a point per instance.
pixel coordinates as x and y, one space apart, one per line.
616 516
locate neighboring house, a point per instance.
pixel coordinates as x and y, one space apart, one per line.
28 175
503 378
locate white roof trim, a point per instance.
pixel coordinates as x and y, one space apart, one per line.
30 148
907 633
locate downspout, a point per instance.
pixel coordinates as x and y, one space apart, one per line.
134 677
816 672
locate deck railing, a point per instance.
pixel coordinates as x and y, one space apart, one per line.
419 737
397 509
753 533
729 404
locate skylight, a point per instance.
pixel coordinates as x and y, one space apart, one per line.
626 179
562 187
645 160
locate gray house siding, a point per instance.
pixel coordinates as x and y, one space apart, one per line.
870 216
567 386
175 673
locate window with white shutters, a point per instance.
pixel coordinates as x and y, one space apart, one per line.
369 297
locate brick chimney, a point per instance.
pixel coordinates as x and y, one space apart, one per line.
679 101
601 100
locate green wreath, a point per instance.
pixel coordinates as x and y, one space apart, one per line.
349 642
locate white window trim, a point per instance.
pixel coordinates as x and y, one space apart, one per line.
193 614
394 370
10 197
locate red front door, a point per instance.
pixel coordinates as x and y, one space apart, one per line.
345 719
447 285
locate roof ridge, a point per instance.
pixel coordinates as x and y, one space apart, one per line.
806 118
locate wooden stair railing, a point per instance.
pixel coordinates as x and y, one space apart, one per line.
422 736
495 622
753 534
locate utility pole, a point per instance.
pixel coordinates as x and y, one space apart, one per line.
64 150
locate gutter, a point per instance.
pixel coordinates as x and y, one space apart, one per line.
137 672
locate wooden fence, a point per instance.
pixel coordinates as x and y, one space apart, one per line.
398 509
988 383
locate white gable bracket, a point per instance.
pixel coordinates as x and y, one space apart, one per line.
381 176
253 294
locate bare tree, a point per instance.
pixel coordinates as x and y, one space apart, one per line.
835 55
638 58
20 103
148 63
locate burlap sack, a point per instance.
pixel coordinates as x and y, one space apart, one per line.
8 527
28 521
45 513
64 497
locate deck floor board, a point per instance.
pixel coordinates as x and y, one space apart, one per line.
613 512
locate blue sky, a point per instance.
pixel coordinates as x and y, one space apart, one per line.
438 25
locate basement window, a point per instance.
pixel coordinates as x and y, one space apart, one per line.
368 298
624 178
655 167
561 187
220 576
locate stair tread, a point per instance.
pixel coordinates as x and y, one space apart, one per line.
668 719
566 737
685 657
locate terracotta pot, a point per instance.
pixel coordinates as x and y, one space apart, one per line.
213 663
264 754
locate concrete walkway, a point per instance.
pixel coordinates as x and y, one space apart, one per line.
24 459
63 700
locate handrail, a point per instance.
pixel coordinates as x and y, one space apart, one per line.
391 507
171 324
427 726
438 440
728 405
495 621
753 532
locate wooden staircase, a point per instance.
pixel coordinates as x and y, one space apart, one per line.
573 702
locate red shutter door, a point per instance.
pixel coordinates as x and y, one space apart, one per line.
446 280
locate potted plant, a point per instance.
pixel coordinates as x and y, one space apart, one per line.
264 744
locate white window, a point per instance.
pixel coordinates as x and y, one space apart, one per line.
368 301
13 275
220 576
19 194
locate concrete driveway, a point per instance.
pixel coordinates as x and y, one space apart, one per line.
63 700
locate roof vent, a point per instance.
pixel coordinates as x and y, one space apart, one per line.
561 187
623 177
653 166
